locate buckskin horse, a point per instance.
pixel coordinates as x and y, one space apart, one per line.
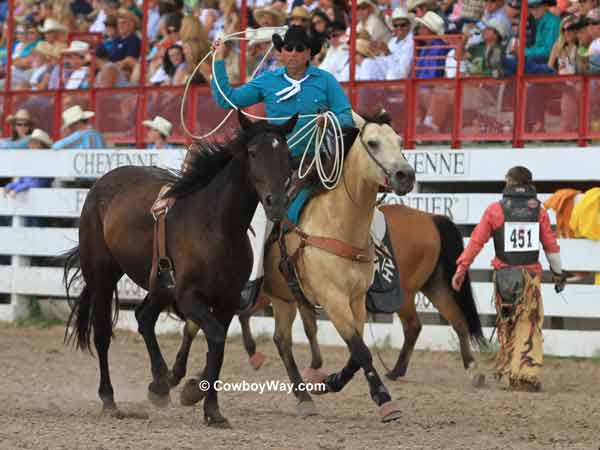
206 237
426 247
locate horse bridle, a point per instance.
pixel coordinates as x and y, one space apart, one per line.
372 156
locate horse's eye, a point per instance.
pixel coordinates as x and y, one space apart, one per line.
252 153
372 143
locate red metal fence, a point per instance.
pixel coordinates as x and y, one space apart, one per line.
518 109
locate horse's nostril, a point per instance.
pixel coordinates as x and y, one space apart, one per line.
268 200
400 175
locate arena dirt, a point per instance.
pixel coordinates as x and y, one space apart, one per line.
48 401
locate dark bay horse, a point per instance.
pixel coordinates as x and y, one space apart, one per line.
426 247
206 240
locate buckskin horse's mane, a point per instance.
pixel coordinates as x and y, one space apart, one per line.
210 158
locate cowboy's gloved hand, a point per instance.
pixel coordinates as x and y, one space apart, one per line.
218 48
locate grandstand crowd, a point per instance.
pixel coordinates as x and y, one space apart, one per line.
75 45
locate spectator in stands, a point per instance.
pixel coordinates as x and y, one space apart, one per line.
335 10
299 17
45 58
174 66
401 46
27 39
159 130
430 60
110 36
367 67
585 6
232 62
77 59
265 17
39 140
153 20
104 9
487 58
128 45
369 18
584 39
193 52
337 53
319 25
21 129
563 59
513 11
55 33
546 34
593 26
269 17
81 134
80 8
495 11
420 7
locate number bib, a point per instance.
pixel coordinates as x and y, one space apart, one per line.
521 236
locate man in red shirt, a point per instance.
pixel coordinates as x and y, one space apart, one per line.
518 225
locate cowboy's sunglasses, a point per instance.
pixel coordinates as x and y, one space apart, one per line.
298 47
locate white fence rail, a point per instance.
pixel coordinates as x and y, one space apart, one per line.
20 279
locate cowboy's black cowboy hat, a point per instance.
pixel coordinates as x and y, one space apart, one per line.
294 36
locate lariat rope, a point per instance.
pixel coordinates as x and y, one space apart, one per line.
311 131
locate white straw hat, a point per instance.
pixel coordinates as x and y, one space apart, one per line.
51 24
402 14
432 21
160 124
75 114
41 136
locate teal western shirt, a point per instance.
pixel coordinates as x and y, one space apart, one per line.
319 92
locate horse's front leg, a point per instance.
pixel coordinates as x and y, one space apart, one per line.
214 362
284 314
147 315
348 318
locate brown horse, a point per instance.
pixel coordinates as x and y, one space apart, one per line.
426 247
206 239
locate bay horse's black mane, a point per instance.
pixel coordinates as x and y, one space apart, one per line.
210 158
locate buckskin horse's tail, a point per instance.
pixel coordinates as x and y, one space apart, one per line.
80 322
451 248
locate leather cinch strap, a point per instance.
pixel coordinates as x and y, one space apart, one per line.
162 266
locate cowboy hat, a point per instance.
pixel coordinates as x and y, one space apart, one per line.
402 14
51 24
21 114
497 26
299 12
363 47
42 136
45 49
123 13
75 114
160 124
413 4
297 35
367 2
279 17
77 47
432 22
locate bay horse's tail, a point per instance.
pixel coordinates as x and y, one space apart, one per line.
83 309
451 248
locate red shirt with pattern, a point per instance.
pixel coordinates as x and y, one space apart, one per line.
493 218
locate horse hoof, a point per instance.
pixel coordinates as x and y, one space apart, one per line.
257 360
112 411
395 377
159 400
310 375
220 422
478 380
191 393
389 412
307 408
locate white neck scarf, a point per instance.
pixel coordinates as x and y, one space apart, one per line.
292 89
